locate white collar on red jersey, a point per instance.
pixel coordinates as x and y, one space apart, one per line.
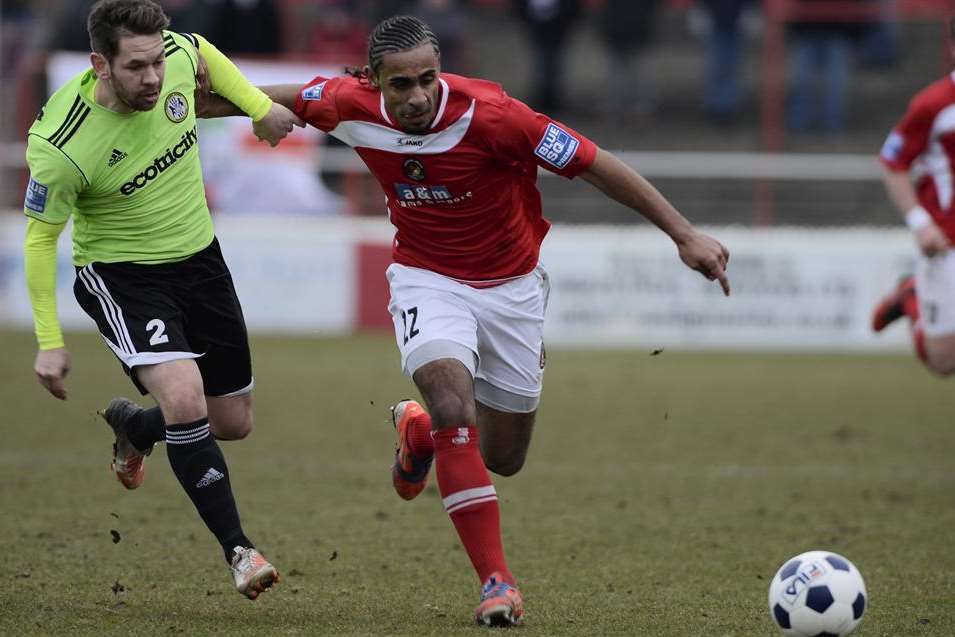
444 90
363 134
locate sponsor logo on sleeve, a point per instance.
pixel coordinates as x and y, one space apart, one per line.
557 146
36 196
892 147
314 93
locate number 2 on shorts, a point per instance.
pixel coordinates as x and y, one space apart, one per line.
159 336
409 332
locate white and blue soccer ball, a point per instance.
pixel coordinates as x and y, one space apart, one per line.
817 594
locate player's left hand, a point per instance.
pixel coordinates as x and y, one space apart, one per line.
707 256
51 367
275 126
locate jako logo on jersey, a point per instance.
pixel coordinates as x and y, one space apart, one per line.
161 163
410 141
314 93
36 196
557 147
893 146
177 107
116 157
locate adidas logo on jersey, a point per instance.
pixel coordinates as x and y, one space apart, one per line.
116 157
211 476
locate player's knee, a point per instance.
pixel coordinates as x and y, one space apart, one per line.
942 365
183 403
506 464
941 359
450 410
235 428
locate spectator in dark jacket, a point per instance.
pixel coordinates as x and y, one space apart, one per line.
249 27
721 99
821 52
627 30
549 24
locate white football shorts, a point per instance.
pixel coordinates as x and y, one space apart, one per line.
935 284
496 332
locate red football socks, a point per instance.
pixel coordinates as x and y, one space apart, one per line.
911 307
470 499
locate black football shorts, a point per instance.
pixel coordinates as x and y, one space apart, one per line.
151 314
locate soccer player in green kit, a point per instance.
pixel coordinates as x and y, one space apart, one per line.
116 149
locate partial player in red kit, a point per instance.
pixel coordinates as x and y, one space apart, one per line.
457 159
918 160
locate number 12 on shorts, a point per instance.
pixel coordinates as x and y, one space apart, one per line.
410 331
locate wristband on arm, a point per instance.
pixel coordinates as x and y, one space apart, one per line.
918 218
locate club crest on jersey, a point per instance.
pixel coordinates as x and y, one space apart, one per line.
414 169
177 107
314 93
557 146
36 196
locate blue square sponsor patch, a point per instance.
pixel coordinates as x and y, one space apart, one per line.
893 146
36 196
314 93
557 147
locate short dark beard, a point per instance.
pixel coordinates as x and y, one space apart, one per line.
122 98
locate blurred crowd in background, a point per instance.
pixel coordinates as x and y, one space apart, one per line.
632 74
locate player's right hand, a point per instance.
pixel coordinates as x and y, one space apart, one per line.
275 126
707 256
932 240
51 367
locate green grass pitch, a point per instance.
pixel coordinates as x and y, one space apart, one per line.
660 495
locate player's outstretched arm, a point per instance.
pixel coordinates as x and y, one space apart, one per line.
213 105
52 362
621 183
930 238
272 121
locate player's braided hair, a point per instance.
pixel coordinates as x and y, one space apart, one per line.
394 35
109 20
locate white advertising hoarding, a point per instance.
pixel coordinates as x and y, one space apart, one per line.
793 289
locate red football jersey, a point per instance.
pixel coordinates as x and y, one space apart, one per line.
463 197
924 141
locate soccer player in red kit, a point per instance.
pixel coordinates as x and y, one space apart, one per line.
918 160
457 159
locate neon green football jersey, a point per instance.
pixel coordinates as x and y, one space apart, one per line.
131 181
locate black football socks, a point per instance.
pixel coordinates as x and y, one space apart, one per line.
146 428
200 467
